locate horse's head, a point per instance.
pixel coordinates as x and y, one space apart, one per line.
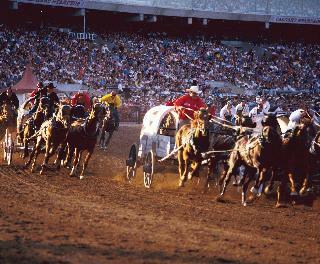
64 115
97 112
7 110
315 145
246 121
44 105
270 135
201 122
304 133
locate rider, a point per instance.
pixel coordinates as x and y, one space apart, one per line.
257 113
36 95
112 99
9 97
81 98
242 109
187 104
296 117
54 99
227 112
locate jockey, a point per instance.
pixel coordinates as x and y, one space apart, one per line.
9 97
296 116
114 100
81 98
54 99
227 112
35 97
242 109
187 104
257 114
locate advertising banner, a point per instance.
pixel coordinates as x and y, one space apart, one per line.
65 3
295 20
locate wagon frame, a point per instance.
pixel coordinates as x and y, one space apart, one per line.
157 141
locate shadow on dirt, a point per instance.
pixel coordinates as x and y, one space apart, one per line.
27 251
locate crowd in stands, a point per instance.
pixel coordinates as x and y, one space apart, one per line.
152 68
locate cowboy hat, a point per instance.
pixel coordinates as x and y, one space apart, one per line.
194 89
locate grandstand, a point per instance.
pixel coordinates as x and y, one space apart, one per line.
156 48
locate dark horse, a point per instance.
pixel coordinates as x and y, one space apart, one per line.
296 164
82 136
108 126
52 133
33 124
257 154
192 140
223 139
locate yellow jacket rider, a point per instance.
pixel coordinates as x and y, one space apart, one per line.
113 100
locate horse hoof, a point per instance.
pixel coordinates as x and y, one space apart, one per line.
189 176
32 170
267 190
41 172
280 205
81 177
254 190
219 198
293 193
244 204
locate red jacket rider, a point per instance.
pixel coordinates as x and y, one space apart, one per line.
185 103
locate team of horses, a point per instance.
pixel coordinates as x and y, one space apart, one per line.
266 157
269 156
63 133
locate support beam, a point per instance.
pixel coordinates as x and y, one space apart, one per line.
80 12
189 20
205 21
267 25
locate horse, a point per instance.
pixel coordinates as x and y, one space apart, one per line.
82 135
297 146
53 133
257 154
8 118
192 140
108 126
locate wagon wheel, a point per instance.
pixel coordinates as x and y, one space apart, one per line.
148 169
131 163
8 147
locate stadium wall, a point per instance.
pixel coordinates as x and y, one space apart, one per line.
276 11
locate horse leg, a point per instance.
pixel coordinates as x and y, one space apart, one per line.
180 167
281 190
35 153
210 172
292 183
108 140
47 154
25 146
268 188
76 161
70 153
231 171
85 164
305 184
256 189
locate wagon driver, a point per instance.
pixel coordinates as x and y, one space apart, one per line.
187 104
114 100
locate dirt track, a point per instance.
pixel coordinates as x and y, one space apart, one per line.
103 219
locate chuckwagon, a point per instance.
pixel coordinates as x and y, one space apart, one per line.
157 141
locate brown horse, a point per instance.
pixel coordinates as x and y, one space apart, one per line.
192 140
27 131
257 154
108 126
83 136
296 163
8 119
52 133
